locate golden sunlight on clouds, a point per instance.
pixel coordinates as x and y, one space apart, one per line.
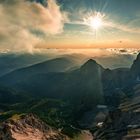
88 43
24 24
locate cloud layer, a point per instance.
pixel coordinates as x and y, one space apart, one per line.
24 24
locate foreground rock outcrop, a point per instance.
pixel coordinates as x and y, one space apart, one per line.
28 127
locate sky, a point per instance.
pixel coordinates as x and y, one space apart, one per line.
27 25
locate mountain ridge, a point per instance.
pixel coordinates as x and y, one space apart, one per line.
89 89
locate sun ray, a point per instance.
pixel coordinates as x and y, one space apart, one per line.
95 21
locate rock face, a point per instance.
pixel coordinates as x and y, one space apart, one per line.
28 127
118 81
122 91
135 69
122 123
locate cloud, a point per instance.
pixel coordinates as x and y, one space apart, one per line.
84 20
125 28
106 57
117 26
24 24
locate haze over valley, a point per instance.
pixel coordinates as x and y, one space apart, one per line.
69 70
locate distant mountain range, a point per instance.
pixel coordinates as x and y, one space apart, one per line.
11 61
53 79
54 65
49 79
63 94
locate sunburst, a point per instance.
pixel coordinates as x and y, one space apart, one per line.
95 21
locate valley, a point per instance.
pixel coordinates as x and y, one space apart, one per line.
85 103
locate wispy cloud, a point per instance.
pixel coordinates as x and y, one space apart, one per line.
122 27
131 27
23 24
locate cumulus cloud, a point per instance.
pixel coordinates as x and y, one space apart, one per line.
24 24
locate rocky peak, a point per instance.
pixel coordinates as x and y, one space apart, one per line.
91 66
135 68
90 63
138 57
28 127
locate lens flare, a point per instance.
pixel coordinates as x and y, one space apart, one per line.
95 21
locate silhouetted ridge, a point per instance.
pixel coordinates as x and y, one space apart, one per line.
135 69
54 65
91 65
90 62
138 57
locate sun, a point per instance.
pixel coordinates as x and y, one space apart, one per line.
95 21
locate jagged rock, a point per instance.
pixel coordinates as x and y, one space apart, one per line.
135 68
122 123
28 127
